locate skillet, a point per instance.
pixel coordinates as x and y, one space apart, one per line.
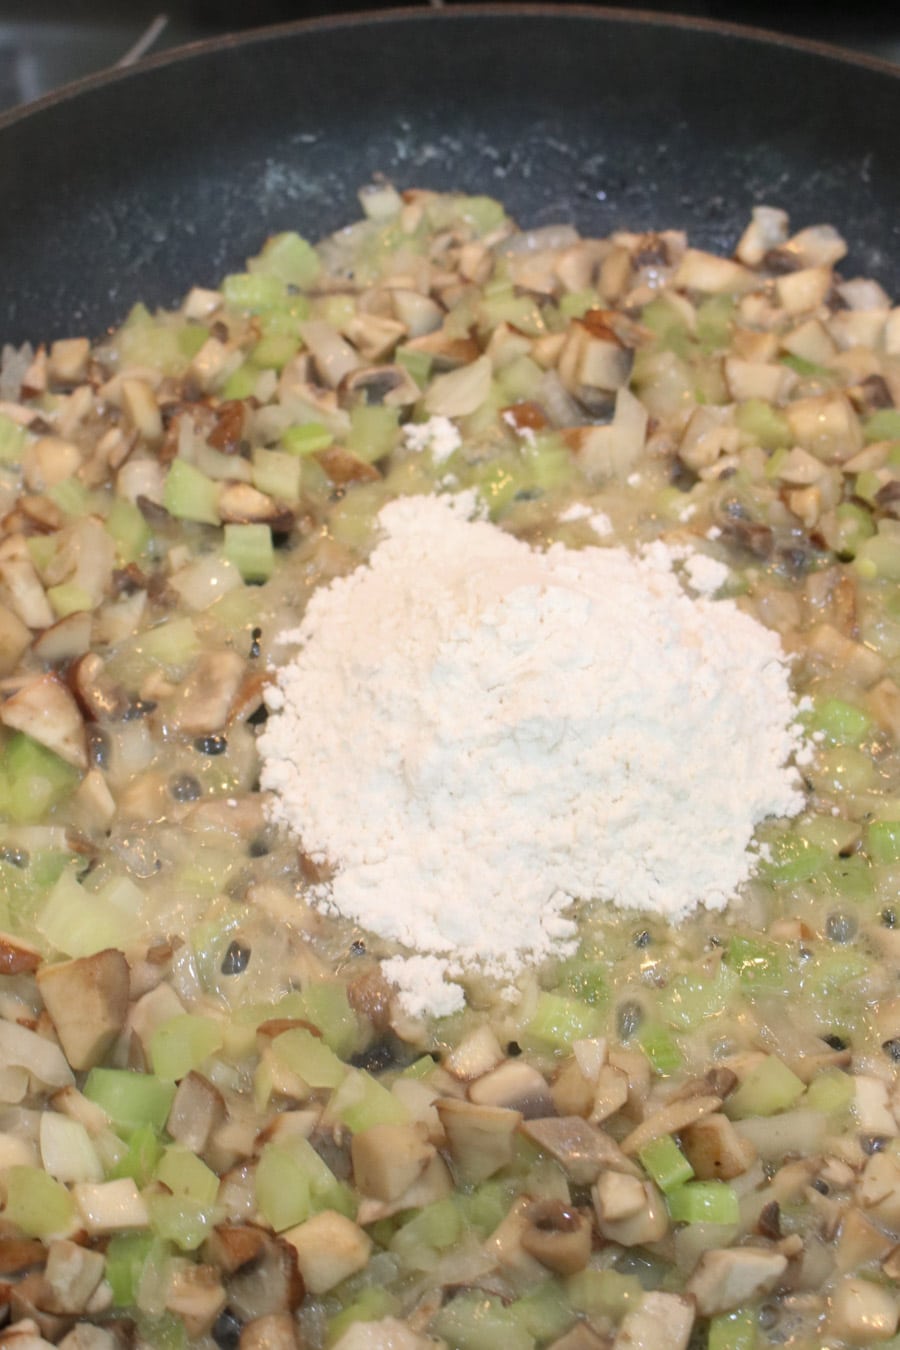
135 185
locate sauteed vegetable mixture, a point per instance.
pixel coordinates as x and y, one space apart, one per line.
220 1124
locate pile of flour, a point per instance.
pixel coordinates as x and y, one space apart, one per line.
475 735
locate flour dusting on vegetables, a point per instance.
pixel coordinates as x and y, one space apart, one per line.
450 799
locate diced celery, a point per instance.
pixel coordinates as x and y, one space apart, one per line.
273 351
475 1321
804 367
417 364
361 1102
255 291
715 319
668 324
519 379
371 1305
831 972
182 1043
241 382
78 923
576 304
38 779
12 440
141 1158
544 1311
129 529
309 1058
131 1100
164 1331
660 1047
72 497
69 598
186 1174
251 549
882 838
878 557
374 431
126 1258
854 526
277 473
842 723
288 257
664 1161
327 1006
585 979
558 1021
763 424
883 425
756 961
768 1088
733 1331
420 1068
603 1293
484 214
282 1188
792 859
306 439
487 1205
171 643
703 1202
191 338
189 495
832 1092
42 550
36 1203
434 1228
693 997
843 769
175 1218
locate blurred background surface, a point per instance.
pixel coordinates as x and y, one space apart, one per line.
47 43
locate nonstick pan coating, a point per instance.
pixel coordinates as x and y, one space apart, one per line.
134 186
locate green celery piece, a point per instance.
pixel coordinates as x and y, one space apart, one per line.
854 526
703 1202
371 1305
793 859
12 440
769 1087
127 526
256 292
842 723
183 1043
241 382
172 643
38 779
278 474
544 1311
191 338
765 425
72 497
164 1331
187 1175
308 1183
127 1256
36 1203
715 320
417 364
361 1102
189 495
660 1047
178 1219
141 1158
604 1293
757 961
308 1057
273 351
665 1163
668 325
306 439
374 431
473 1321
557 1021
585 979
832 1092
69 598
882 839
733 1331
288 257
251 549
432 1229
878 558
78 923
692 998
804 367
282 1188
131 1100
327 1006
883 425
485 1207
484 214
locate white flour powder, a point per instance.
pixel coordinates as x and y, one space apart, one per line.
476 735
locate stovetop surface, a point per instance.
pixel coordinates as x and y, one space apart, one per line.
47 43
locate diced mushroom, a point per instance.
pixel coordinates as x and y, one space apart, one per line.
715 1150
593 357
476 1054
658 1320
768 229
859 1242
506 1249
618 1196
862 1313
581 1337
264 1277
707 272
89 1336
650 1223
388 386
15 639
110 1206
24 1335
388 1159
44 709
195 1294
197 1110
728 1277
329 1249
878 1191
610 1093
275 1331
71 1276
675 1116
68 360
480 1137
516 1085
25 594
581 1149
99 695
66 640
141 409
558 1235
203 704
434 1183
333 355
343 466
612 451
243 504
88 1001
374 335
17 957
49 460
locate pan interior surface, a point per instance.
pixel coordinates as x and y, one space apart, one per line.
136 186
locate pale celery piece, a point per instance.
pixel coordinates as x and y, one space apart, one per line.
248 1071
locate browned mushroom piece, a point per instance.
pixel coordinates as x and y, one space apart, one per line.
659 1320
243 504
198 1108
71 1276
514 1084
267 1279
46 711
274 1331
88 1000
343 466
729 1277
196 1295
204 702
388 386
581 1149
558 1235
389 1159
100 697
480 1138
